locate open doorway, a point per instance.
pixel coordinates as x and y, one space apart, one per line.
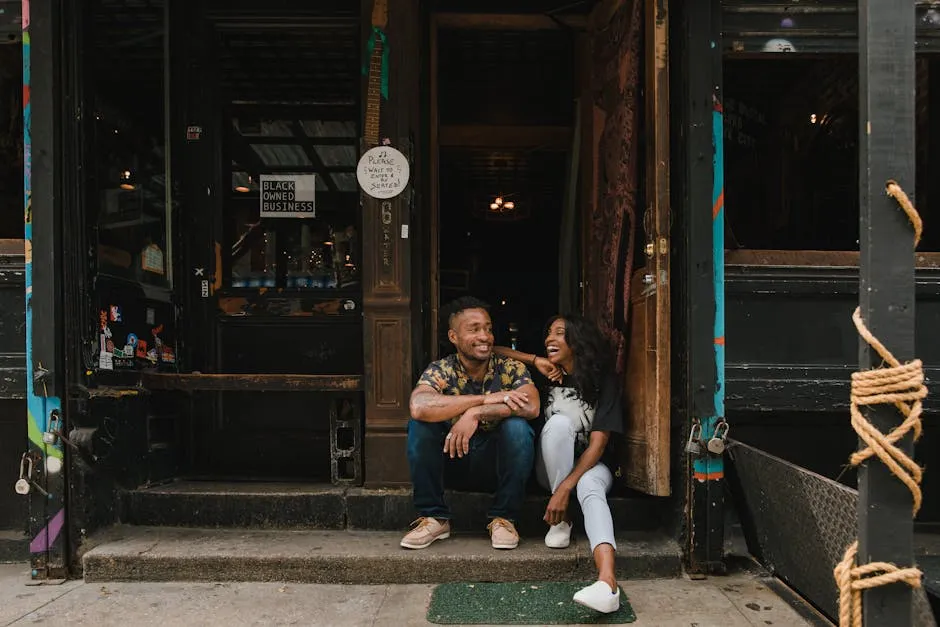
535 191
502 254
506 105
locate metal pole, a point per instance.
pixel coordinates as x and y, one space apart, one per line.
886 293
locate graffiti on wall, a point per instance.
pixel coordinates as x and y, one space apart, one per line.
711 467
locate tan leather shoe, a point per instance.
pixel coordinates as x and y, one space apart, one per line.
503 534
424 531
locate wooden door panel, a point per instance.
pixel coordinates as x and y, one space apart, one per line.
646 455
647 462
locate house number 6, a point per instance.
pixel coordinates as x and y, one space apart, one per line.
386 212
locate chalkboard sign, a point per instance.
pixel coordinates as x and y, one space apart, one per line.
383 172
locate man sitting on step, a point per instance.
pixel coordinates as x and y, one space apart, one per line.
469 428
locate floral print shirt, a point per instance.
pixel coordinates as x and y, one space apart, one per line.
448 376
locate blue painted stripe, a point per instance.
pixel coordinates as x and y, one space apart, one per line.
718 249
711 468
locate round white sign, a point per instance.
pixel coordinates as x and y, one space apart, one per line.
383 172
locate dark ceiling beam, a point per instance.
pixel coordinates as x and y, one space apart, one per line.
229 9
474 136
340 112
301 169
264 140
243 154
312 154
501 21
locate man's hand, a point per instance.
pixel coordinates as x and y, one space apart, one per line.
548 369
516 400
557 509
457 441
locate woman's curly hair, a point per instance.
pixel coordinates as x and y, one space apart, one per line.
592 355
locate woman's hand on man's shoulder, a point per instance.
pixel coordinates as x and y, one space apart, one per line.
552 372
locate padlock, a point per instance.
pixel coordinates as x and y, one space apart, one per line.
693 446
22 485
51 436
25 483
716 445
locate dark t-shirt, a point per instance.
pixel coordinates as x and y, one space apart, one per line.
608 416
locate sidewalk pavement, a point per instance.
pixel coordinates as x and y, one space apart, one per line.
743 599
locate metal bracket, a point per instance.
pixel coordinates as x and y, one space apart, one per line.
345 441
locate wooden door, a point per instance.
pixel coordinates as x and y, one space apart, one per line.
647 458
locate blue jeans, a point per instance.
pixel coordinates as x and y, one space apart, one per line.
499 461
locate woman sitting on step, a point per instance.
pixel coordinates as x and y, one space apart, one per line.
582 410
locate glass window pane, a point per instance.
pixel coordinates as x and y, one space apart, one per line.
282 156
294 253
128 189
329 128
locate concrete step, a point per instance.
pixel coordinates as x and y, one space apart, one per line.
314 506
14 546
128 553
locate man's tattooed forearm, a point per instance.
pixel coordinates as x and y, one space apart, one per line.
498 410
429 401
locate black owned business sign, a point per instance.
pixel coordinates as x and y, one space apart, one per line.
288 196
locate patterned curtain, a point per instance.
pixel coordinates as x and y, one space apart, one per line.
616 55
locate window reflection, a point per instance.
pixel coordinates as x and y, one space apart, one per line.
294 253
131 190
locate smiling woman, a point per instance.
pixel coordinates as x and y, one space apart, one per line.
582 411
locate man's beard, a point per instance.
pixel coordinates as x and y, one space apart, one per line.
471 358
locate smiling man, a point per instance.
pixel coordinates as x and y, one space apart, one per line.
469 429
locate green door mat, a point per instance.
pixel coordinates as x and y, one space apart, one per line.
531 603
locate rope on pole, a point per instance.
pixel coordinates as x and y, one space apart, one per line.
901 385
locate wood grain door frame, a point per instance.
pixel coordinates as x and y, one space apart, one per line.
658 197
648 455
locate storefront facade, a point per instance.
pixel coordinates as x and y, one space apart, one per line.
180 328
198 338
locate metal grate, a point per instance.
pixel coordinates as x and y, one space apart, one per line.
789 513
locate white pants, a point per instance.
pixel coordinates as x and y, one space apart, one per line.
556 461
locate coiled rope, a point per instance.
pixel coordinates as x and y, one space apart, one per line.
901 385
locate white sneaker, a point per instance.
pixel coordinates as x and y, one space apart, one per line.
558 536
599 598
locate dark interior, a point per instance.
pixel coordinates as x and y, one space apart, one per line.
501 207
11 137
272 89
791 152
277 89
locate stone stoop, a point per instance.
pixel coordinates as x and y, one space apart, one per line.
14 546
251 505
134 553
